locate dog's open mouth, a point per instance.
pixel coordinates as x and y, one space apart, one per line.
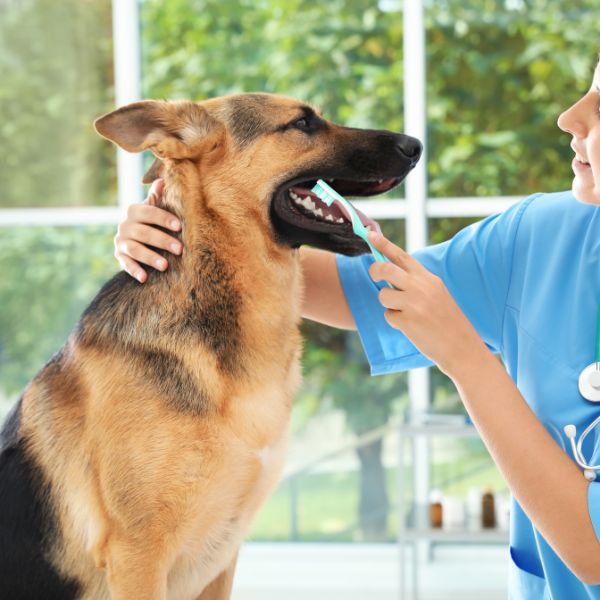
308 205
300 217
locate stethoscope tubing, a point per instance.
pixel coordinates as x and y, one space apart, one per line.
577 448
589 471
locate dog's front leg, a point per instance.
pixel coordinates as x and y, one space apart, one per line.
220 587
135 572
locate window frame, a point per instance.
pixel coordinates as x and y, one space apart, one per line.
417 208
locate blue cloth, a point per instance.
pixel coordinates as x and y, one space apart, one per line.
529 281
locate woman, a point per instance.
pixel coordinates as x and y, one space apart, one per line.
525 284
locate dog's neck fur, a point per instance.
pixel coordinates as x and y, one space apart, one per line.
240 235
238 275
234 292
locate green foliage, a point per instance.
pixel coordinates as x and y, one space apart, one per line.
52 273
56 65
498 74
345 57
497 80
337 375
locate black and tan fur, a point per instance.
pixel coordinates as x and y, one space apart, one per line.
135 460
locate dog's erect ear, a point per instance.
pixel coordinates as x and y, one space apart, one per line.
176 129
154 172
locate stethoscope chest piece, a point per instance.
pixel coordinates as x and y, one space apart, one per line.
589 383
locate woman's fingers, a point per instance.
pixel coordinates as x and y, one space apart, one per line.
396 254
138 231
130 266
150 236
140 253
391 299
152 215
389 272
155 192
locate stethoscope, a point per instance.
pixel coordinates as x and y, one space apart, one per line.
589 388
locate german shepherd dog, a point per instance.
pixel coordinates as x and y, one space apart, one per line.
133 463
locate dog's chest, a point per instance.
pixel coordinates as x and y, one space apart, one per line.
252 449
208 551
255 445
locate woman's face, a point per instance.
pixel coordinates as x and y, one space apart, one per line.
582 121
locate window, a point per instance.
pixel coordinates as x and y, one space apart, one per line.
498 73
57 73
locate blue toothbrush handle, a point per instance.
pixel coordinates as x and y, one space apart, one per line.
378 256
329 196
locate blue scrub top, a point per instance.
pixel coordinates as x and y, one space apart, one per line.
529 281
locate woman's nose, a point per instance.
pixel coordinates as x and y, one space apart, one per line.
571 122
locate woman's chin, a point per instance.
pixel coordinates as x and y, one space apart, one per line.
586 192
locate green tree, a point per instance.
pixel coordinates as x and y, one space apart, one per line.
56 65
53 273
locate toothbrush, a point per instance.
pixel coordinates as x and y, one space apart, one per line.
329 196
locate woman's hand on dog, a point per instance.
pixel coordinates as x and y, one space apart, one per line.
137 232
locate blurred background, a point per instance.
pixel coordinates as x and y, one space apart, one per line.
481 81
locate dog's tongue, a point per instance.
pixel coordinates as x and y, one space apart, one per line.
366 221
338 207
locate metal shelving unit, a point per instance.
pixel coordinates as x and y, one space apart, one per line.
417 527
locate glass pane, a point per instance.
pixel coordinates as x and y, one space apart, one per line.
498 76
56 65
462 472
344 57
49 274
348 497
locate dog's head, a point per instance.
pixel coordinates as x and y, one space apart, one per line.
266 152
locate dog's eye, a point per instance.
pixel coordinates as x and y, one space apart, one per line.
302 124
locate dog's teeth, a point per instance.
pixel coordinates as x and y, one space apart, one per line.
329 218
340 220
318 212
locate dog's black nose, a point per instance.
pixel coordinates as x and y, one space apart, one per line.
410 147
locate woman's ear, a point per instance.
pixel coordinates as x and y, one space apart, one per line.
176 129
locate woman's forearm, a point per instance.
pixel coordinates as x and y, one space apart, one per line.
546 482
324 299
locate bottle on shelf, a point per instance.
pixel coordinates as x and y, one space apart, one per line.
488 510
435 509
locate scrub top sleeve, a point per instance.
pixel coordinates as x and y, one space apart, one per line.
387 349
476 267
